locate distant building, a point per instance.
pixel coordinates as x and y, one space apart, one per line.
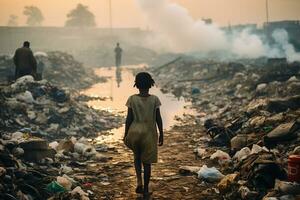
291 26
207 20
288 25
241 27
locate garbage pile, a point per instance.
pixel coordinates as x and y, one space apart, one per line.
43 145
251 114
7 69
33 168
49 111
65 71
57 67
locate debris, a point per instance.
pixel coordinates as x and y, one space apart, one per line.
84 149
189 170
67 184
294 168
226 183
210 174
55 187
296 150
66 170
238 142
221 157
284 187
246 193
282 133
83 195
54 145
200 152
261 170
26 97
242 154
36 149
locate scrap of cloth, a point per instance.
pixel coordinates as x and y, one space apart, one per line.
142 133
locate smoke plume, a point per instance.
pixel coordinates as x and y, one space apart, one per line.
177 31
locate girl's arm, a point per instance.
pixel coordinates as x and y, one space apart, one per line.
160 127
129 120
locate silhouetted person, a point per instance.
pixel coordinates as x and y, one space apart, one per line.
24 61
118 52
141 131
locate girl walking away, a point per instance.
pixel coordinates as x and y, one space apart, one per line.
141 132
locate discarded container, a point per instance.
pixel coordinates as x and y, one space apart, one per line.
294 168
195 91
55 187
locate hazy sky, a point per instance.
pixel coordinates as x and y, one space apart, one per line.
127 14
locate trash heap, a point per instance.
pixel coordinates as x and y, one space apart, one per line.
250 111
62 69
57 67
49 111
43 149
7 69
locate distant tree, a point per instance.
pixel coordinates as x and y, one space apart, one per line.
80 17
13 20
34 16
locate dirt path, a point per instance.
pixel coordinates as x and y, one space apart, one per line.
166 182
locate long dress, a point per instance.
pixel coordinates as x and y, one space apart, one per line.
142 133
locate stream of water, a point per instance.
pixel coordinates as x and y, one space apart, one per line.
117 90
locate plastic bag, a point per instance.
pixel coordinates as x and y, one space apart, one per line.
26 97
242 154
55 187
221 156
210 174
64 182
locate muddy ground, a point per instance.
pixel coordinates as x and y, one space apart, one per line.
166 182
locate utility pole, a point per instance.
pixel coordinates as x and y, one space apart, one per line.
267 11
267 18
110 16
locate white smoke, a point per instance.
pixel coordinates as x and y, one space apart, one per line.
177 31
248 45
284 47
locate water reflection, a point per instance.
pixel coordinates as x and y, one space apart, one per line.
118 76
120 86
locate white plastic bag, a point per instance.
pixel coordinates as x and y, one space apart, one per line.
84 149
210 174
221 156
64 182
26 97
256 149
242 154
53 145
83 195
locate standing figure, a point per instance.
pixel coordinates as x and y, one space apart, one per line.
118 52
24 61
141 131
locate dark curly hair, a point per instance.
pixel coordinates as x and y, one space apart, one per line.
143 80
